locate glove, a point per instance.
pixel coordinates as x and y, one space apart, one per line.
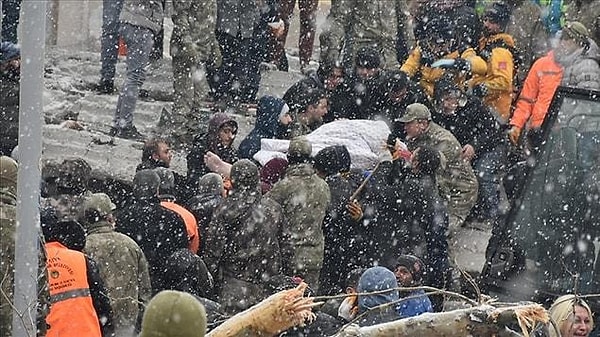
354 210
479 90
462 64
513 134
348 309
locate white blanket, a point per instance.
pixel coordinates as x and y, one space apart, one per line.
365 140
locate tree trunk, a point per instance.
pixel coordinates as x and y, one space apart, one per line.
484 320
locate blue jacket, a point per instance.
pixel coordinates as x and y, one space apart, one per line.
267 126
414 306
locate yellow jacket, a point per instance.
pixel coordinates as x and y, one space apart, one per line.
498 79
429 75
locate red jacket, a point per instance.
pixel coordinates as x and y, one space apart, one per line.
542 80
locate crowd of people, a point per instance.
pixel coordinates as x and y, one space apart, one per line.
453 81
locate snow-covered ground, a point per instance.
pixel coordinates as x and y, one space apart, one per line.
69 79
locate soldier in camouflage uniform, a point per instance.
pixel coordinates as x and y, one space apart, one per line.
372 23
456 180
194 47
68 188
241 237
115 252
8 219
304 198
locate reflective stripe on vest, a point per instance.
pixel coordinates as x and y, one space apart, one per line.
72 312
70 294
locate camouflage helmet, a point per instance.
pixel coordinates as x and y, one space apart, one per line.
99 203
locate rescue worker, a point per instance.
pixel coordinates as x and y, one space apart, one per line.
242 249
441 44
218 139
8 227
572 63
497 48
308 105
80 306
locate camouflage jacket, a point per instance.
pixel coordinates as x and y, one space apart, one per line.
8 217
194 24
114 253
304 198
372 23
456 179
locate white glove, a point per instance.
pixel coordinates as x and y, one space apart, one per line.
345 309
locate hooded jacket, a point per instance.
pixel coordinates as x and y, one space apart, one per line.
580 69
209 141
377 279
267 126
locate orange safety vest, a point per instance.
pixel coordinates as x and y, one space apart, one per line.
191 225
72 312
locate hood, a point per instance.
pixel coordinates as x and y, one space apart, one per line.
215 123
376 279
267 114
593 52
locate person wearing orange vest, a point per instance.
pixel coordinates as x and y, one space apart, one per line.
79 306
572 63
167 200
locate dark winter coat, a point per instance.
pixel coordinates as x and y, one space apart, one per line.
188 273
472 123
409 216
343 243
202 206
305 198
242 250
114 253
206 142
158 231
393 203
267 126
360 98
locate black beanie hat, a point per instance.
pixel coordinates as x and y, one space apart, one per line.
499 13
414 265
368 57
333 160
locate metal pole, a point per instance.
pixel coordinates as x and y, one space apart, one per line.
30 150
